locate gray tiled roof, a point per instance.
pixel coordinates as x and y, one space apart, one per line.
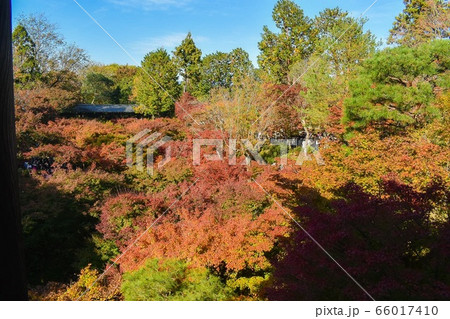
103 108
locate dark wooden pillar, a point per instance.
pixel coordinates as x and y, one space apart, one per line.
12 269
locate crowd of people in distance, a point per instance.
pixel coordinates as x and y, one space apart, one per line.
36 164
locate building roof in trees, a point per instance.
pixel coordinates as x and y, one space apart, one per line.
103 108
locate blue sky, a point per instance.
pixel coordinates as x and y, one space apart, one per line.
216 25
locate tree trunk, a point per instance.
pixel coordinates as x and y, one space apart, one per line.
12 268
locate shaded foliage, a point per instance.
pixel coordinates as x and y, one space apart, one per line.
386 242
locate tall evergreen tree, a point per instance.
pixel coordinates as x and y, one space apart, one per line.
295 42
188 60
421 21
240 64
24 54
341 46
342 40
156 86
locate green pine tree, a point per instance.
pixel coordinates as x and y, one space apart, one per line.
240 65
397 88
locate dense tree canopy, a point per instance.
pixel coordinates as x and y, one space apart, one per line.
216 71
294 42
223 70
173 280
342 41
108 84
98 88
342 45
156 86
421 21
397 87
25 64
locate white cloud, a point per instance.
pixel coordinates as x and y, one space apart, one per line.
168 42
150 4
